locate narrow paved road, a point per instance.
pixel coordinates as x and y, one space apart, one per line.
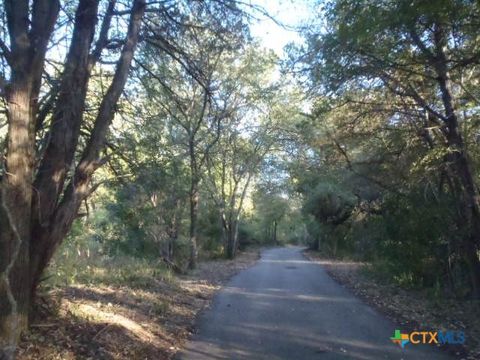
286 307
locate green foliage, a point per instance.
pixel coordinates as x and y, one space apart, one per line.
329 203
363 169
82 260
210 231
246 234
387 158
126 223
413 246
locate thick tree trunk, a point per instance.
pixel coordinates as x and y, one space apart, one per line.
51 234
67 116
15 217
63 137
29 35
28 235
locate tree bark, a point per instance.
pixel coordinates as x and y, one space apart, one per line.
231 232
15 216
28 45
194 199
458 158
78 188
63 137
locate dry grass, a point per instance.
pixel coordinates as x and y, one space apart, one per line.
142 317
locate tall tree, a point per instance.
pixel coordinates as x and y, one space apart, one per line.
246 90
191 110
422 54
41 191
230 171
186 93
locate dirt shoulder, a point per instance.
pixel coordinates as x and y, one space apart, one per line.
148 320
410 309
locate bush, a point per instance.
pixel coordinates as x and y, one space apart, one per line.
86 263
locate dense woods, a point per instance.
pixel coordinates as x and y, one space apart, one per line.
162 130
396 88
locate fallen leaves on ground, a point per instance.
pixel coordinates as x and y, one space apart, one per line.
121 322
410 309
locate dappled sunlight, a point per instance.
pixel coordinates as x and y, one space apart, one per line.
146 304
121 298
286 337
154 151
289 336
294 313
285 296
272 261
94 314
129 322
340 263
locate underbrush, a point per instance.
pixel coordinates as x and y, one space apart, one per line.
411 241
88 264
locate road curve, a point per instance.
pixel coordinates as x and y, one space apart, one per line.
286 307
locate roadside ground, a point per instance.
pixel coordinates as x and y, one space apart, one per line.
411 309
148 317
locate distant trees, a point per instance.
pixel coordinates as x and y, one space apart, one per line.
230 172
246 137
271 210
188 98
185 124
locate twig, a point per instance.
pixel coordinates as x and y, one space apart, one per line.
102 331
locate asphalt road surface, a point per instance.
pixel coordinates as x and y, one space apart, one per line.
286 307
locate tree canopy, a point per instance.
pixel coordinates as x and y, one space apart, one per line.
164 129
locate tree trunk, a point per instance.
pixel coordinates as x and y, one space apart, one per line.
471 218
28 240
29 30
275 232
458 158
173 228
51 234
63 137
15 216
232 239
172 237
194 199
